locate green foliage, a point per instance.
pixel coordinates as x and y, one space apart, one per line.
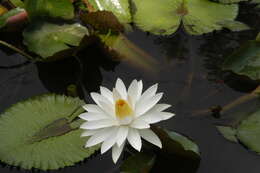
245 61
17 3
197 16
49 8
7 15
231 1
228 132
36 133
46 39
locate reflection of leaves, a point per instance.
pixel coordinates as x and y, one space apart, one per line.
7 15
37 133
198 16
46 39
245 61
49 8
139 163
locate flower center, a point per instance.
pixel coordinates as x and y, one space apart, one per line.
123 109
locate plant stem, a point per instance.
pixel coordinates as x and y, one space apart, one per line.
17 50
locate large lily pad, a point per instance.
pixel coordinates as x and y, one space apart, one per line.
197 16
46 39
50 8
120 8
37 133
248 132
245 61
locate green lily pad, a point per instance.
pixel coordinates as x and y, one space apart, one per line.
138 163
228 132
245 61
248 132
197 16
7 15
47 39
37 133
120 8
49 8
231 1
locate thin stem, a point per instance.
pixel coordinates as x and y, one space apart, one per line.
17 50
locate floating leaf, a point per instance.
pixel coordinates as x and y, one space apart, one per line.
4 18
198 16
245 61
228 132
234 25
120 8
46 39
138 163
37 133
248 132
231 1
50 8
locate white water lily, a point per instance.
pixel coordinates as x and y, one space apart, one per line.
123 115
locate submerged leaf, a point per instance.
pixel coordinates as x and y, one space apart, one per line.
228 132
36 133
198 16
50 8
46 39
4 18
120 8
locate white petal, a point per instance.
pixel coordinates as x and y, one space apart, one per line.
160 107
139 124
120 87
121 135
145 105
134 139
107 93
107 108
108 143
89 132
91 125
132 93
150 92
89 116
116 95
100 136
156 117
92 108
100 98
116 152
140 89
151 137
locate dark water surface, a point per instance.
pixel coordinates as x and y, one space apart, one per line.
187 73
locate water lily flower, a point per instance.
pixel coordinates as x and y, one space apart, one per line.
123 115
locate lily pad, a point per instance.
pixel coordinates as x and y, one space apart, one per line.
18 3
50 8
4 18
37 133
138 163
47 39
197 16
228 132
248 132
120 8
245 61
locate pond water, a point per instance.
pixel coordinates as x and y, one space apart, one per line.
187 72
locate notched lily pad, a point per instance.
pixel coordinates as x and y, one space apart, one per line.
245 61
47 39
37 133
197 16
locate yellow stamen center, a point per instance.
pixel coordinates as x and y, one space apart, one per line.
123 109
